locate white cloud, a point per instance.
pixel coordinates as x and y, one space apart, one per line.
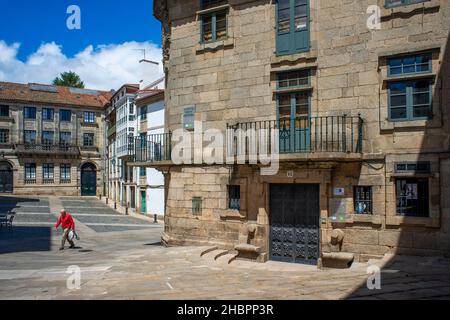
103 67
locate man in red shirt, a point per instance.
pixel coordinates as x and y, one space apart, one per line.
67 223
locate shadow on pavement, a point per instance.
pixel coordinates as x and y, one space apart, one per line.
25 239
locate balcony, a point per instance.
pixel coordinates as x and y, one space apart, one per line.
47 149
150 149
303 138
320 137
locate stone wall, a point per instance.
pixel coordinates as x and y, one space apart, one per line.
234 81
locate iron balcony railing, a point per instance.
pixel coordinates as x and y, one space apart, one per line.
152 148
322 134
342 134
32 148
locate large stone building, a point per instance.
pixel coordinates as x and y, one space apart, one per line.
362 115
51 140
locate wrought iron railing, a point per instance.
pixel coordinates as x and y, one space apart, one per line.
152 148
47 148
343 134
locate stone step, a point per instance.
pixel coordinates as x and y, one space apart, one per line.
226 258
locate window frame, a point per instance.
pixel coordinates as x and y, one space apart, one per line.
388 4
61 134
425 199
143 113
367 199
429 55
89 117
234 197
45 111
65 171
88 134
409 96
292 31
61 118
48 141
4 108
213 16
4 136
197 206
48 171
30 171
33 133
27 115
189 112
298 86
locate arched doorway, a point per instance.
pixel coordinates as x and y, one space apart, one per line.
6 178
88 180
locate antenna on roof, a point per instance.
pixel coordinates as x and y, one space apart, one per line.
145 60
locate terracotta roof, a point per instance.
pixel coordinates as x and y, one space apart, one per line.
33 93
148 94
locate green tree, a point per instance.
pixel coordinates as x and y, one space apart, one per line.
69 79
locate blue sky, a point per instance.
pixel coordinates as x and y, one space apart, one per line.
32 23
34 33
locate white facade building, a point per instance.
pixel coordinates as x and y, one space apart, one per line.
135 113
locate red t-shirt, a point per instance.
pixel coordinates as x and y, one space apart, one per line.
66 222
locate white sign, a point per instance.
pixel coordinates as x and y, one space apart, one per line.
339 191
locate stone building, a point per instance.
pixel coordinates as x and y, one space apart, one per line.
360 112
51 140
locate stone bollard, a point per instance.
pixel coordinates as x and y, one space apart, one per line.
155 218
115 205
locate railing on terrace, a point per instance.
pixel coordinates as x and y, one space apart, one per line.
342 134
152 148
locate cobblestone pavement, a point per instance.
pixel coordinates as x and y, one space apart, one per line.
126 262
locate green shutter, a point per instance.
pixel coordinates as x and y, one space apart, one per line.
292 26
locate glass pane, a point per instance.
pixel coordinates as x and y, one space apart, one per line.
283 4
397 87
284 20
398 101
221 26
421 86
301 11
421 98
422 112
398 113
301 23
207 28
396 70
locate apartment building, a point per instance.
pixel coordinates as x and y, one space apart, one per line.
356 102
150 182
51 140
122 125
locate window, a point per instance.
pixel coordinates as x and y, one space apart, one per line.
292 26
412 197
397 3
363 200
88 140
234 197
65 115
65 175
48 114
189 118
65 138
143 113
409 64
207 4
4 136
4 111
142 171
214 26
293 79
30 137
410 100
48 137
29 112
197 206
89 117
30 171
413 167
48 171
